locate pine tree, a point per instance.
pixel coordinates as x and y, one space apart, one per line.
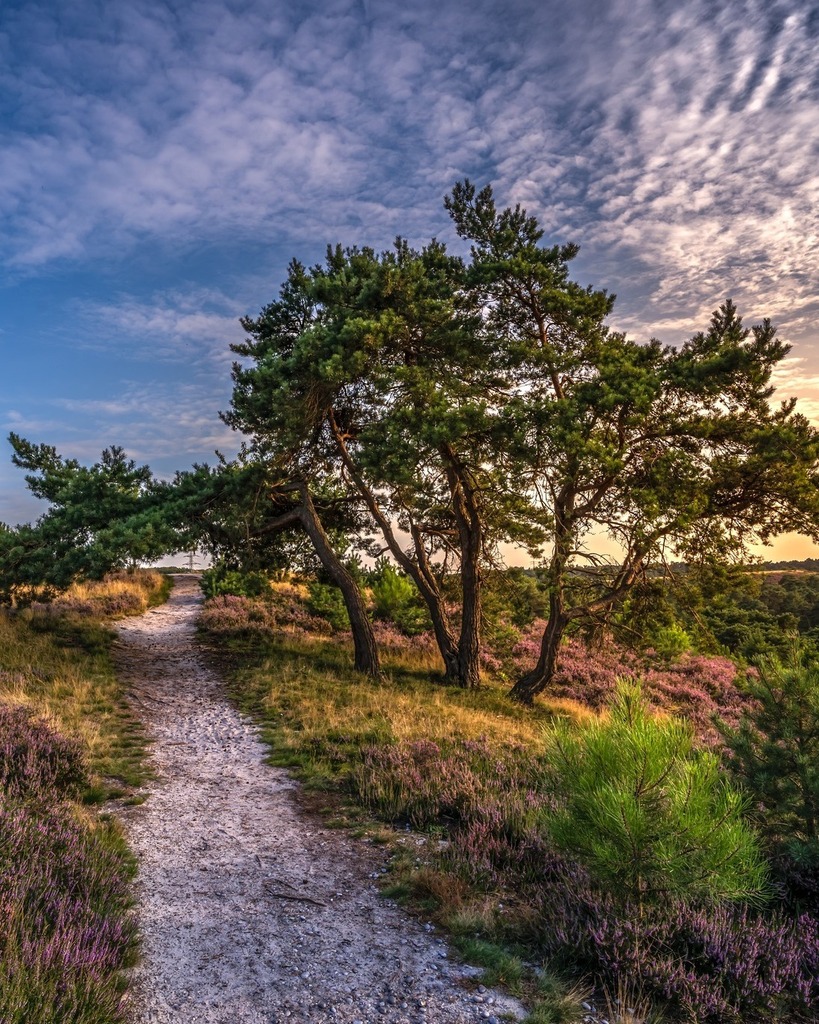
776 750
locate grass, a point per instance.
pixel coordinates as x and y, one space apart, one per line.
55 659
65 871
311 702
331 726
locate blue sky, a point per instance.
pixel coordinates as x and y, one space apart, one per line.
162 162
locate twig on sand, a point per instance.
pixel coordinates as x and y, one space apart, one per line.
292 897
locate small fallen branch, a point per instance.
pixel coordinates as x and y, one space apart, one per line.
292 897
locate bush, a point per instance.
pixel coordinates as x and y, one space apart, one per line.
327 602
671 641
36 763
396 599
776 751
646 813
220 580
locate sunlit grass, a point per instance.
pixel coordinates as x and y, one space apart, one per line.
313 705
56 660
65 870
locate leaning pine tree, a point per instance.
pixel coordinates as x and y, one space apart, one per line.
673 453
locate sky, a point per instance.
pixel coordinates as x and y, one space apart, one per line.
161 163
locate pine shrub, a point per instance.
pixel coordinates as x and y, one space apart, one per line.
775 751
648 814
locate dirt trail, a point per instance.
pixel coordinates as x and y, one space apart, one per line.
250 911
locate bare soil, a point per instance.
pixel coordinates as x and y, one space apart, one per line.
250 910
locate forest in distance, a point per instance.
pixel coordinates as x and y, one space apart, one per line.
622 751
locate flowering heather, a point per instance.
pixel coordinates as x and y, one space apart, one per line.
695 687
64 890
36 763
712 965
232 617
64 885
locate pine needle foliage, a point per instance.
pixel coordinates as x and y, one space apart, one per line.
776 749
646 813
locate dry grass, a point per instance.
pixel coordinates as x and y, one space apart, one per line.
306 693
55 659
125 593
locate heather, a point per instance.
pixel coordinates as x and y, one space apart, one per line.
64 884
67 738
35 763
64 891
724 964
476 776
695 687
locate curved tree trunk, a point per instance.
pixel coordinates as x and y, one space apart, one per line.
418 570
366 649
529 686
430 592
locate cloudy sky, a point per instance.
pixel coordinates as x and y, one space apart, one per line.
161 162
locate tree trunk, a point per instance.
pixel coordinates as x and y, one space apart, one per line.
428 588
469 644
529 686
466 508
366 649
418 570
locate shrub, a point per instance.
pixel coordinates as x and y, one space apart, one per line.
646 813
327 602
671 641
776 750
35 762
425 783
220 580
396 600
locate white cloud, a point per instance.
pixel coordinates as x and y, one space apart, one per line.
194 327
675 142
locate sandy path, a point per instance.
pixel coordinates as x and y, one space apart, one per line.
221 834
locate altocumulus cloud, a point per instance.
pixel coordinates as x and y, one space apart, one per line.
208 141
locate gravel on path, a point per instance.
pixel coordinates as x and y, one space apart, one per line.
250 911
